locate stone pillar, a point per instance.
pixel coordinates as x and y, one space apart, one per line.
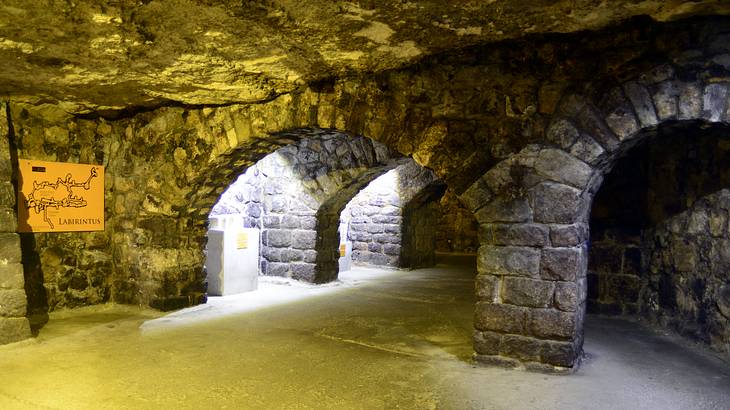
14 326
532 262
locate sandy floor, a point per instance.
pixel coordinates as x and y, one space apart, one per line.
377 340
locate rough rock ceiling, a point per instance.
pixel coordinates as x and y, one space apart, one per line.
118 54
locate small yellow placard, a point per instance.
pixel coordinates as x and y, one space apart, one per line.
242 240
343 250
60 197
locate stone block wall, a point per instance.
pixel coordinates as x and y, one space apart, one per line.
391 221
456 228
659 234
688 272
374 218
14 325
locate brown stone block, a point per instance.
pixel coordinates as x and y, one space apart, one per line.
7 195
568 235
549 323
562 354
13 302
487 342
13 329
528 292
499 361
11 276
514 234
642 102
504 210
665 100
486 287
565 264
520 347
9 248
620 115
500 317
556 203
8 220
690 101
508 260
567 297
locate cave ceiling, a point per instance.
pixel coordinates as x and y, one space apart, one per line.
104 54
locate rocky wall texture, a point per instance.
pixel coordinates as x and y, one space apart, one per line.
14 325
456 230
383 223
688 277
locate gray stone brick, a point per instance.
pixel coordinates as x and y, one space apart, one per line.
508 260
527 292
304 239
714 102
665 100
566 296
391 249
505 210
562 133
587 149
303 271
642 102
375 247
477 195
500 317
514 234
564 264
568 235
556 203
690 101
486 287
520 347
549 323
559 166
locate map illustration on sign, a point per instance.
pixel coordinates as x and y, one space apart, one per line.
58 197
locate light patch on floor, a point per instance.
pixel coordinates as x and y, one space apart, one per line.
272 291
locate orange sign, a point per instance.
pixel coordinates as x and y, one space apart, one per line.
60 197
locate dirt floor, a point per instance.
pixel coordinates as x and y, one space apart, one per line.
375 340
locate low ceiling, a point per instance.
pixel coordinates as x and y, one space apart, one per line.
113 54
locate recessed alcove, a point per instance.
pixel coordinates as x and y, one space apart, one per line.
660 245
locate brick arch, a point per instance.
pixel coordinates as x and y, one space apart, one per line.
391 221
300 190
533 210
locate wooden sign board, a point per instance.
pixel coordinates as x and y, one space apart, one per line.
60 197
343 249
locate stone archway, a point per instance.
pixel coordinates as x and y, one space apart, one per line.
390 222
295 196
533 213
